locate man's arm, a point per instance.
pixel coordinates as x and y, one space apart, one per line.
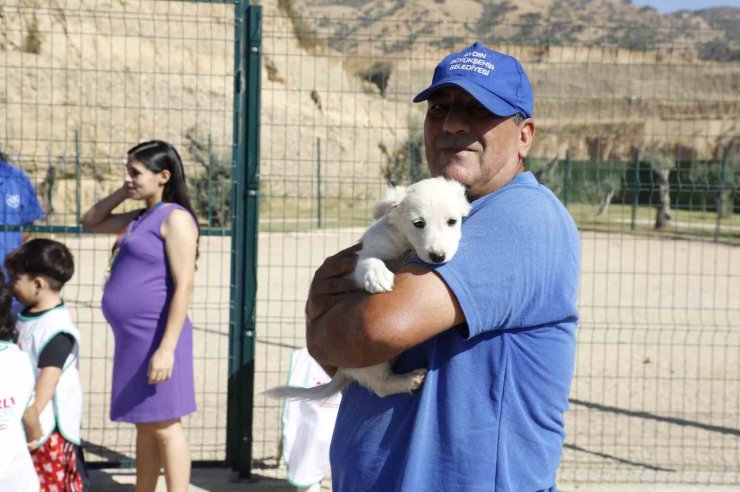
356 329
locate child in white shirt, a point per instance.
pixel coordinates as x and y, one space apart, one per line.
38 270
16 393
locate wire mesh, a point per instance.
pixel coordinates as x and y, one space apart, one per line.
83 81
636 133
635 126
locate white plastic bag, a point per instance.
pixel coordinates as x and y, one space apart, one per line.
308 425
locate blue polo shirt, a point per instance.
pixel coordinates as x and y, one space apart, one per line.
18 206
490 414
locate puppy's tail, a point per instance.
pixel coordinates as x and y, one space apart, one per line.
322 392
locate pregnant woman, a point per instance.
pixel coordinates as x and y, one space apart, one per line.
145 300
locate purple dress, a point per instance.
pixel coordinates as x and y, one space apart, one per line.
136 301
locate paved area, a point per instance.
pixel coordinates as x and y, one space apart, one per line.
222 480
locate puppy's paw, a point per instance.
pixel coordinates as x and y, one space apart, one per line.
417 378
378 278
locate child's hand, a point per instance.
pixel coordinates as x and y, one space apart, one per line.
32 425
32 445
160 365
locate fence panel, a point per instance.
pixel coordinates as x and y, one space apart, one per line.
631 124
83 81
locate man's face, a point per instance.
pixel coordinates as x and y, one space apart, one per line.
467 143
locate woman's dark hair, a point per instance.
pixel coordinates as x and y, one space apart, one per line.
42 258
7 320
158 156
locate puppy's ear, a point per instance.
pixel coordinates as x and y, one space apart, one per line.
390 200
462 202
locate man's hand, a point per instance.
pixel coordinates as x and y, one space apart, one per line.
330 284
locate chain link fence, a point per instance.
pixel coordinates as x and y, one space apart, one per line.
80 83
637 133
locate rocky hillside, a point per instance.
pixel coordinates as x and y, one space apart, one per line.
710 34
608 76
337 81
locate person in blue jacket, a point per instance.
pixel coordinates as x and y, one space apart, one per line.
19 205
495 326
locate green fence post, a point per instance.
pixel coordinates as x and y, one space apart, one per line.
635 189
77 174
318 182
210 183
245 197
721 190
566 184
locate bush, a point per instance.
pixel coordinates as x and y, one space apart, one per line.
378 74
304 32
718 50
33 40
406 163
210 189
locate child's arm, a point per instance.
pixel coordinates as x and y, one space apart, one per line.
45 386
32 425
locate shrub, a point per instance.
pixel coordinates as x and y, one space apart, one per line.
407 162
210 189
378 74
34 39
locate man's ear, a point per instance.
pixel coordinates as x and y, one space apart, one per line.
392 198
526 136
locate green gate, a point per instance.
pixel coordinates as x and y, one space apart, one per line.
85 82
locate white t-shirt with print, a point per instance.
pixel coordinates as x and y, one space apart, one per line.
16 391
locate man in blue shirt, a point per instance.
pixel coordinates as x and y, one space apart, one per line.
495 326
18 206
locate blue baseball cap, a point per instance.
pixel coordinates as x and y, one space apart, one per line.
496 80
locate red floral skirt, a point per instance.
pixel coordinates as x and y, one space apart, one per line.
57 465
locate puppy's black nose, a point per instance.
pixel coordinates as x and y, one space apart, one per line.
437 257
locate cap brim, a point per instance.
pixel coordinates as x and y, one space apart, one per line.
491 101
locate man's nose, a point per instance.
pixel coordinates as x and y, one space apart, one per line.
456 121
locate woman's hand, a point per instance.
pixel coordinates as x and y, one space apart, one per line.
125 192
161 365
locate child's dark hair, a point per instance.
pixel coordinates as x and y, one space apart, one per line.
42 258
7 320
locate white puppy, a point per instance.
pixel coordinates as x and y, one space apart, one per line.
425 217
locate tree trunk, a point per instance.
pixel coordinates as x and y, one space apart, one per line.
663 213
605 202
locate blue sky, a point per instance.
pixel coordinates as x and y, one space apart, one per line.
673 5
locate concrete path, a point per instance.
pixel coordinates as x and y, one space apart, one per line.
221 480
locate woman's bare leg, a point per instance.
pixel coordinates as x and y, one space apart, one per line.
148 459
174 453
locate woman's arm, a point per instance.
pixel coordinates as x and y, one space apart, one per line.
99 218
181 239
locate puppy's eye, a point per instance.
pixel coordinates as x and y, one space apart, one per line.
451 222
419 224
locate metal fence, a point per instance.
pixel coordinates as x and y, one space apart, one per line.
635 127
83 81
637 133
